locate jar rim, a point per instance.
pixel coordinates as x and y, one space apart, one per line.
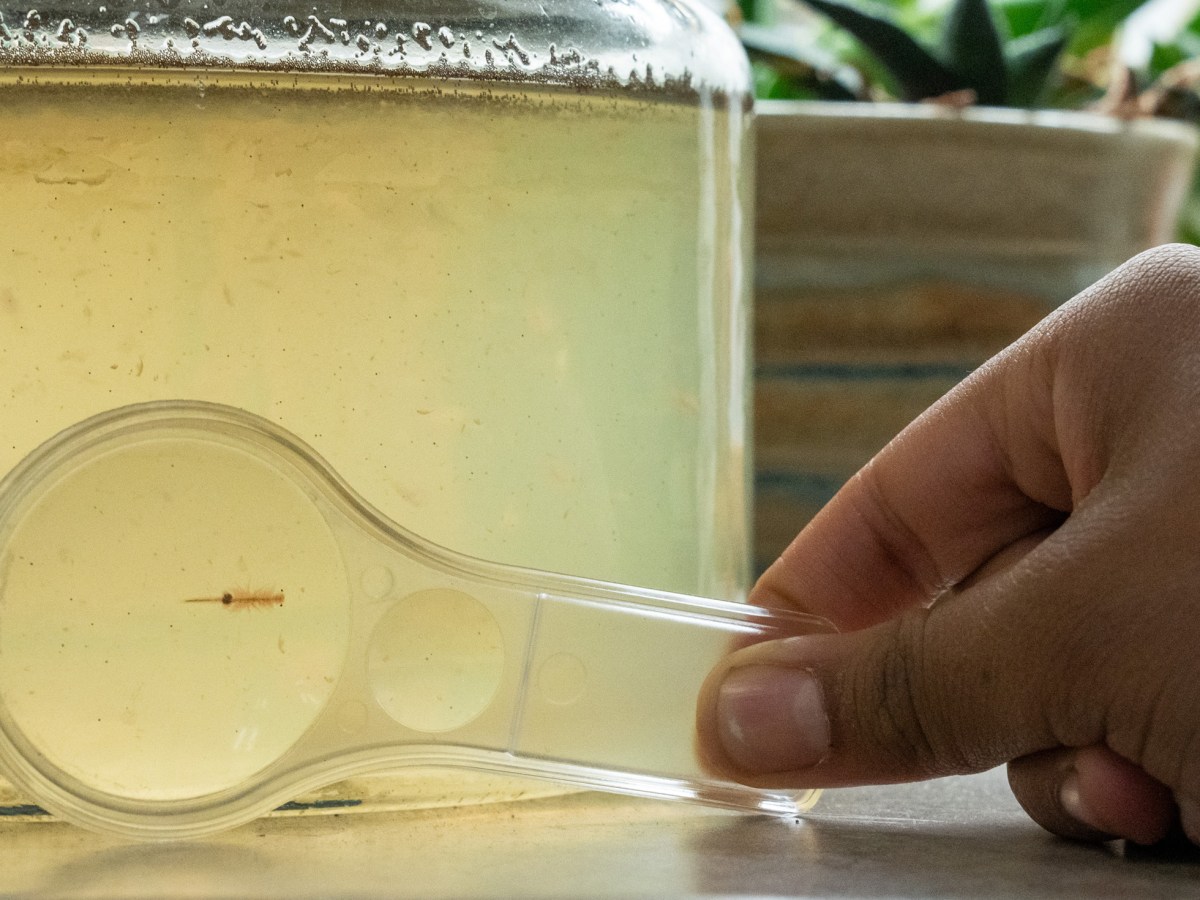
671 47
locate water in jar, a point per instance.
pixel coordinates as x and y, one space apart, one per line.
509 317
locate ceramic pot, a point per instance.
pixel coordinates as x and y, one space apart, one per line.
899 246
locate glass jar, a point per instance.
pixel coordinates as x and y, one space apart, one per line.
488 258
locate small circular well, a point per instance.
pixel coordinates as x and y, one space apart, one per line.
436 660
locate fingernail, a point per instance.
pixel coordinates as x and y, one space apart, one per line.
1071 802
772 719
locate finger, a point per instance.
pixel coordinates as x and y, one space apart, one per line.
863 707
977 472
1009 451
1092 794
958 687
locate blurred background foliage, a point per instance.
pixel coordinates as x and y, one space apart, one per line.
1129 58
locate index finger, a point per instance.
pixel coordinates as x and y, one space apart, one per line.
979 470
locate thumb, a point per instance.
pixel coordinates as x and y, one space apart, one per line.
958 687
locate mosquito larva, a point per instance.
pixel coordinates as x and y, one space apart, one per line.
243 599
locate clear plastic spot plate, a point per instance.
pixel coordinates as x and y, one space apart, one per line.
199 620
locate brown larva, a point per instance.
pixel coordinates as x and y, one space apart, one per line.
243 599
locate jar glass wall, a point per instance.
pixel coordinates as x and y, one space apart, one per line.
487 258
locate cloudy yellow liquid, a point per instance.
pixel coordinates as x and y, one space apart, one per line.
510 320
501 318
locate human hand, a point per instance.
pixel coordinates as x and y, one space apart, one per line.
1017 580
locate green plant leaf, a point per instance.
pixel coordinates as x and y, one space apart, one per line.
753 10
1097 21
786 69
772 83
1025 16
1163 57
973 49
780 45
1031 62
918 72
919 18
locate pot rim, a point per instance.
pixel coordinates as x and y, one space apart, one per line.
882 114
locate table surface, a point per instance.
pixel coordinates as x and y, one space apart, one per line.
959 837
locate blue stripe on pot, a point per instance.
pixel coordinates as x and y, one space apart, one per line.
784 501
813 487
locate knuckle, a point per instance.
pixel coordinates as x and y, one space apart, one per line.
1123 345
1161 283
1173 262
901 707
